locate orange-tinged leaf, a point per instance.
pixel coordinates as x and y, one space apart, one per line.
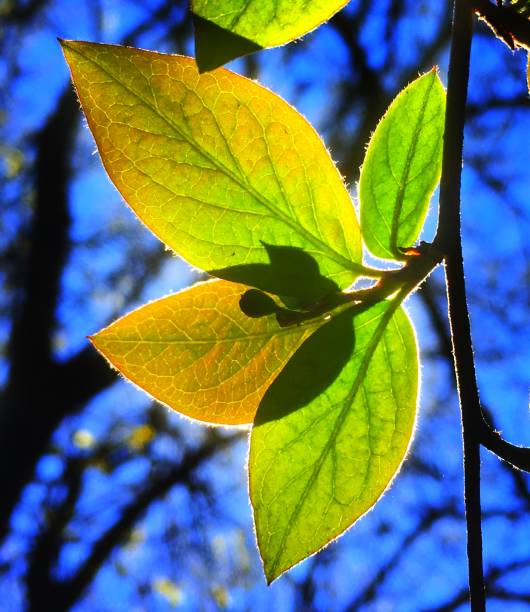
218 167
198 353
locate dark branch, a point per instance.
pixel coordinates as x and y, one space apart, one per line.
429 518
21 14
47 545
516 456
507 24
29 409
448 240
72 589
494 591
519 101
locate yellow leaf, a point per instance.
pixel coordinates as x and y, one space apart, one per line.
218 167
198 353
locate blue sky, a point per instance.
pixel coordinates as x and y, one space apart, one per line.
106 238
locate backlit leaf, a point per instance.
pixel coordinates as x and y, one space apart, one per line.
232 28
324 448
198 353
222 170
402 167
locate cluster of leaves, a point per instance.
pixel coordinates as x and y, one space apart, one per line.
233 179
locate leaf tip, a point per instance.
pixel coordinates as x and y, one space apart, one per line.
94 340
64 47
69 48
65 43
271 573
277 569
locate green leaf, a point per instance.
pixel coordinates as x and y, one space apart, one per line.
331 432
218 167
233 28
198 353
402 167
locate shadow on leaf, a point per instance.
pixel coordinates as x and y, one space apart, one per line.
312 369
215 46
255 304
292 274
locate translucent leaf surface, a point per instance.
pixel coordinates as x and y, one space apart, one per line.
326 444
198 353
244 26
402 167
218 167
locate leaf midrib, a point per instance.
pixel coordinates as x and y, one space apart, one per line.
385 318
403 182
325 248
281 332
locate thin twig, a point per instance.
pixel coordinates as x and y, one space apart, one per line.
517 456
448 240
507 23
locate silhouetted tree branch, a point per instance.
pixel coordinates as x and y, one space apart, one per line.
41 391
30 411
67 592
516 456
448 240
494 591
427 520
